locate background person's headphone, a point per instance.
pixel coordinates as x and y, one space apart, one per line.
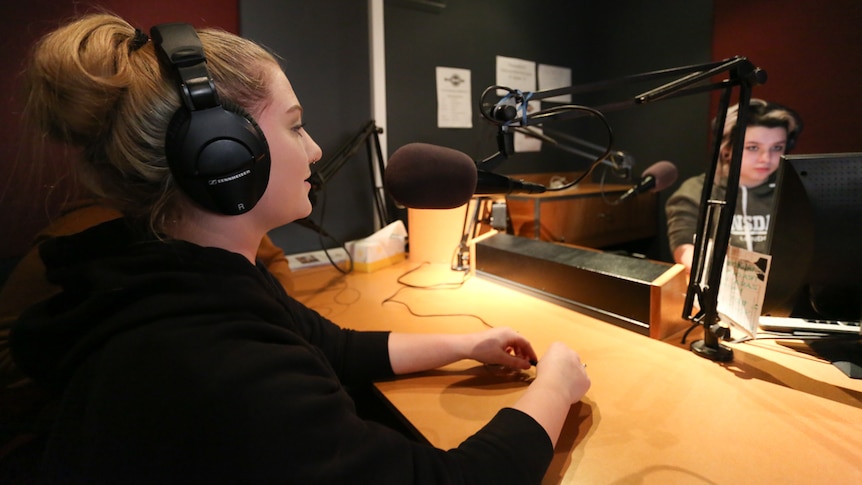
217 154
794 123
760 109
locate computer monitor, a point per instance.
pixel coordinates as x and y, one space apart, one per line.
815 238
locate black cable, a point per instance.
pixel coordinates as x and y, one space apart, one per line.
321 233
541 116
692 327
437 286
548 113
604 195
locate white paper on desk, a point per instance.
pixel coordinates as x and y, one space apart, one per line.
742 288
454 105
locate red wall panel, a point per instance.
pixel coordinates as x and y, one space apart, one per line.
810 50
22 188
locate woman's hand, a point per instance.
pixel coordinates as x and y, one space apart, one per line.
561 380
561 369
501 346
417 352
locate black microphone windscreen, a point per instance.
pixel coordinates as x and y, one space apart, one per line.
664 172
423 176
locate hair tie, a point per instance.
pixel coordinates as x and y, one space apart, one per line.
138 40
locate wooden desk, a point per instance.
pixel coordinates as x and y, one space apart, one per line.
582 215
656 413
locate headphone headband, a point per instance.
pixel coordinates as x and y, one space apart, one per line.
217 154
178 45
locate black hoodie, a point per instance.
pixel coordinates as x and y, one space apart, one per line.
175 363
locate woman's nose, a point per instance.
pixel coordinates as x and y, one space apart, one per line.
314 151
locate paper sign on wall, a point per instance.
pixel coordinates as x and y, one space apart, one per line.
519 74
454 105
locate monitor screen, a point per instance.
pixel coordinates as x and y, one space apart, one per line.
815 238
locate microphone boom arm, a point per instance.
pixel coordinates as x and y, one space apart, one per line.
325 169
715 216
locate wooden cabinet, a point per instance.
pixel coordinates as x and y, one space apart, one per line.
585 215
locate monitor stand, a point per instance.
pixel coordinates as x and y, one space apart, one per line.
845 354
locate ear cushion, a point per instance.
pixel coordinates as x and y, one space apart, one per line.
793 133
219 157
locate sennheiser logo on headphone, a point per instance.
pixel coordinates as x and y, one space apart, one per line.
228 179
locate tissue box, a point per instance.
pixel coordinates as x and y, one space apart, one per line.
381 249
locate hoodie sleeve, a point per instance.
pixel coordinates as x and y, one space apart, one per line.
358 357
230 405
682 209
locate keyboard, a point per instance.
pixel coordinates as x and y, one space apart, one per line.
805 325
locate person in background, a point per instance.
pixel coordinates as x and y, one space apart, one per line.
174 354
772 131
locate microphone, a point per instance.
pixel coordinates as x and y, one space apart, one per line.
424 176
488 183
655 178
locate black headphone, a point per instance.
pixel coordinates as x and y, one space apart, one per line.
216 152
793 129
759 108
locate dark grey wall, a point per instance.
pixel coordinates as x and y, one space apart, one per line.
470 35
638 36
325 45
